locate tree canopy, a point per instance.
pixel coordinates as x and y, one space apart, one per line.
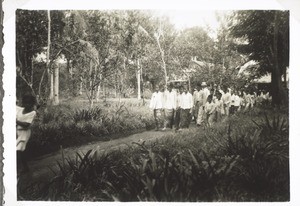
108 50
264 38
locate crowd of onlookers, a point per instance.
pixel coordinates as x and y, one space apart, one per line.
177 107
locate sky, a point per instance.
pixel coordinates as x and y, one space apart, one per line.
189 18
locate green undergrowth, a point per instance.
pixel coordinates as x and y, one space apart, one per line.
244 158
73 124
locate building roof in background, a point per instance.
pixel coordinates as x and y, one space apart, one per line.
245 70
201 63
267 78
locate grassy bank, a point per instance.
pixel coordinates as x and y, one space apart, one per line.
74 123
244 158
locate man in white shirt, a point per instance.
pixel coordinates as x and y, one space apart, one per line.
196 98
237 102
227 100
156 104
169 103
220 90
219 107
232 103
210 108
178 108
186 104
204 93
247 101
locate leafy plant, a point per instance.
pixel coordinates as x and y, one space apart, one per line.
277 124
88 114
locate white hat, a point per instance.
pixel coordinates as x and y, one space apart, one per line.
203 84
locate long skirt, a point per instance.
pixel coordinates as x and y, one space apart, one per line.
169 118
226 109
196 111
210 119
218 114
232 110
201 115
158 117
185 118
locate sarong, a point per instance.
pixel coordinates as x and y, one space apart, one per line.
201 116
185 118
169 118
177 118
158 117
196 110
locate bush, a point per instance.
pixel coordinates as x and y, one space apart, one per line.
239 162
61 125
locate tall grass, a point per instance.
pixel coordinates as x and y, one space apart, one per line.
66 125
243 159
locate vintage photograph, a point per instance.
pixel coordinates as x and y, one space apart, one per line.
152 105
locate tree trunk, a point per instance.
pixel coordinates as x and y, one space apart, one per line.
99 89
163 61
142 82
285 77
104 91
51 95
275 76
98 93
56 85
138 79
189 81
31 75
80 87
49 70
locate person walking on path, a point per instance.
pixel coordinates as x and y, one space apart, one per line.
237 101
156 104
247 101
227 101
24 117
210 108
178 109
186 104
219 107
203 98
220 90
196 98
169 103
232 103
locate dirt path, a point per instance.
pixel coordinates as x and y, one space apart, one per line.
40 167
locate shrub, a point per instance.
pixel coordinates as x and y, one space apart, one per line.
238 161
264 162
61 125
88 114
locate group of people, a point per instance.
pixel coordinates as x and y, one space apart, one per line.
177 107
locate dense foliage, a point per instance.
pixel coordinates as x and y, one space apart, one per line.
266 40
102 51
243 159
72 124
